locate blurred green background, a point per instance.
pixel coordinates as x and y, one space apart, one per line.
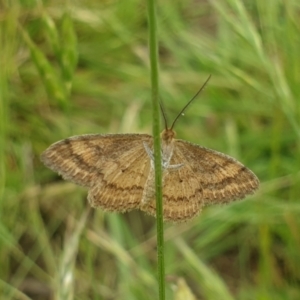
76 67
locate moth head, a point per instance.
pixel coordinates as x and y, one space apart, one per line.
168 135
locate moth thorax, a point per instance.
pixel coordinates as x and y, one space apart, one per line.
168 135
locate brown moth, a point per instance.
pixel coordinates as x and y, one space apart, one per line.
118 169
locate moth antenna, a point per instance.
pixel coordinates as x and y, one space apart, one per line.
187 105
164 114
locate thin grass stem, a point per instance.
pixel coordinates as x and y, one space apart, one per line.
153 46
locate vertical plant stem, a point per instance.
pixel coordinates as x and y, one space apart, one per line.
153 46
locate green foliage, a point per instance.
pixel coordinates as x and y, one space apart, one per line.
76 68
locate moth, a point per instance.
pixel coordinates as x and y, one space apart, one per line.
118 170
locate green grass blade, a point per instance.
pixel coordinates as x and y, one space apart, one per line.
153 46
210 283
69 55
48 74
